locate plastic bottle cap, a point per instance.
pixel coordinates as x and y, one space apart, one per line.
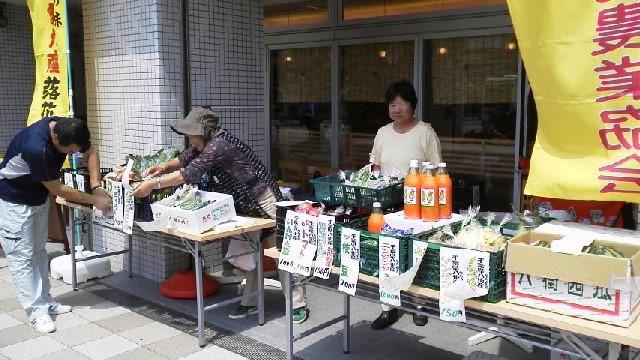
377 204
442 164
414 163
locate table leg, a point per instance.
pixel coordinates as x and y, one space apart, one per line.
72 245
199 294
346 324
130 238
260 284
288 295
614 351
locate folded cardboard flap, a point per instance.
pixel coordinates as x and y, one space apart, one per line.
598 270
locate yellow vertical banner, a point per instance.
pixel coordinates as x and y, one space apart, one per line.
582 58
51 92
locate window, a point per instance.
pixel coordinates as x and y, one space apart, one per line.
470 91
300 114
366 9
279 14
366 72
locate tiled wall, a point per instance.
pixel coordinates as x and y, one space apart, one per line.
17 67
134 82
227 60
133 74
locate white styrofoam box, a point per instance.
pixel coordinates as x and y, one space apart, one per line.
614 306
197 221
85 270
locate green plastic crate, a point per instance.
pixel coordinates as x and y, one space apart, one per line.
329 190
369 263
428 274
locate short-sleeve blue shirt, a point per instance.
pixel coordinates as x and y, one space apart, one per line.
30 159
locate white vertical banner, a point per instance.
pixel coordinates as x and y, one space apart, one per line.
349 260
117 205
307 245
129 209
290 241
324 255
464 274
389 267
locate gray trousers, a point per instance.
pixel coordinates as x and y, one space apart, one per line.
23 235
267 201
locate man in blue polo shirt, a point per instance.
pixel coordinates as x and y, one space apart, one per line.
30 172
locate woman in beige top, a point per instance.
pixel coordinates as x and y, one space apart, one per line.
404 138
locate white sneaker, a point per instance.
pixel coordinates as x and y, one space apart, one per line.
57 309
43 324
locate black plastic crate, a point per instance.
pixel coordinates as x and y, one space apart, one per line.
329 190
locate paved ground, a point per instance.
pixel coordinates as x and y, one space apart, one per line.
122 318
106 324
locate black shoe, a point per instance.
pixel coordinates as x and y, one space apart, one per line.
386 319
420 320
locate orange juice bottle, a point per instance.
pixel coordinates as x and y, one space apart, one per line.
445 191
428 190
412 192
376 219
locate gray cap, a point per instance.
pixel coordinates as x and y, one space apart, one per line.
196 122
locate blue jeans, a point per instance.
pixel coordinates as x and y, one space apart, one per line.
23 234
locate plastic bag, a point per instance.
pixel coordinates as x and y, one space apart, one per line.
241 255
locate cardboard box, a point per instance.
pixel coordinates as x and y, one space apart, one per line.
197 221
595 287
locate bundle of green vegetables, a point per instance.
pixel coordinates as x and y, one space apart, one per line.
366 177
186 198
473 235
604 250
159 158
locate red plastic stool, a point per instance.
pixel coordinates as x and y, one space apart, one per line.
182 285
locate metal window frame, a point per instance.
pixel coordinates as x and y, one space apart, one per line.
486 21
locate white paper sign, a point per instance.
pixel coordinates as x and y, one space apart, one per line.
126 173
117 198
324 255
290 246
463 274
349 260
389 265
404 280
451 309
307 245
129 208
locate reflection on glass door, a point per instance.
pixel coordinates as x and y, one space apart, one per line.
470 96
366 72
300 114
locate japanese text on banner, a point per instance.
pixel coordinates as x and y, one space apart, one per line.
51 93
586 84
290 242
349 260
324 256
307 245
463 274
389 263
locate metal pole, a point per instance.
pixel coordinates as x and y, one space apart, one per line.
346 326
74 279
199 293
260 283
130 238
288 294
